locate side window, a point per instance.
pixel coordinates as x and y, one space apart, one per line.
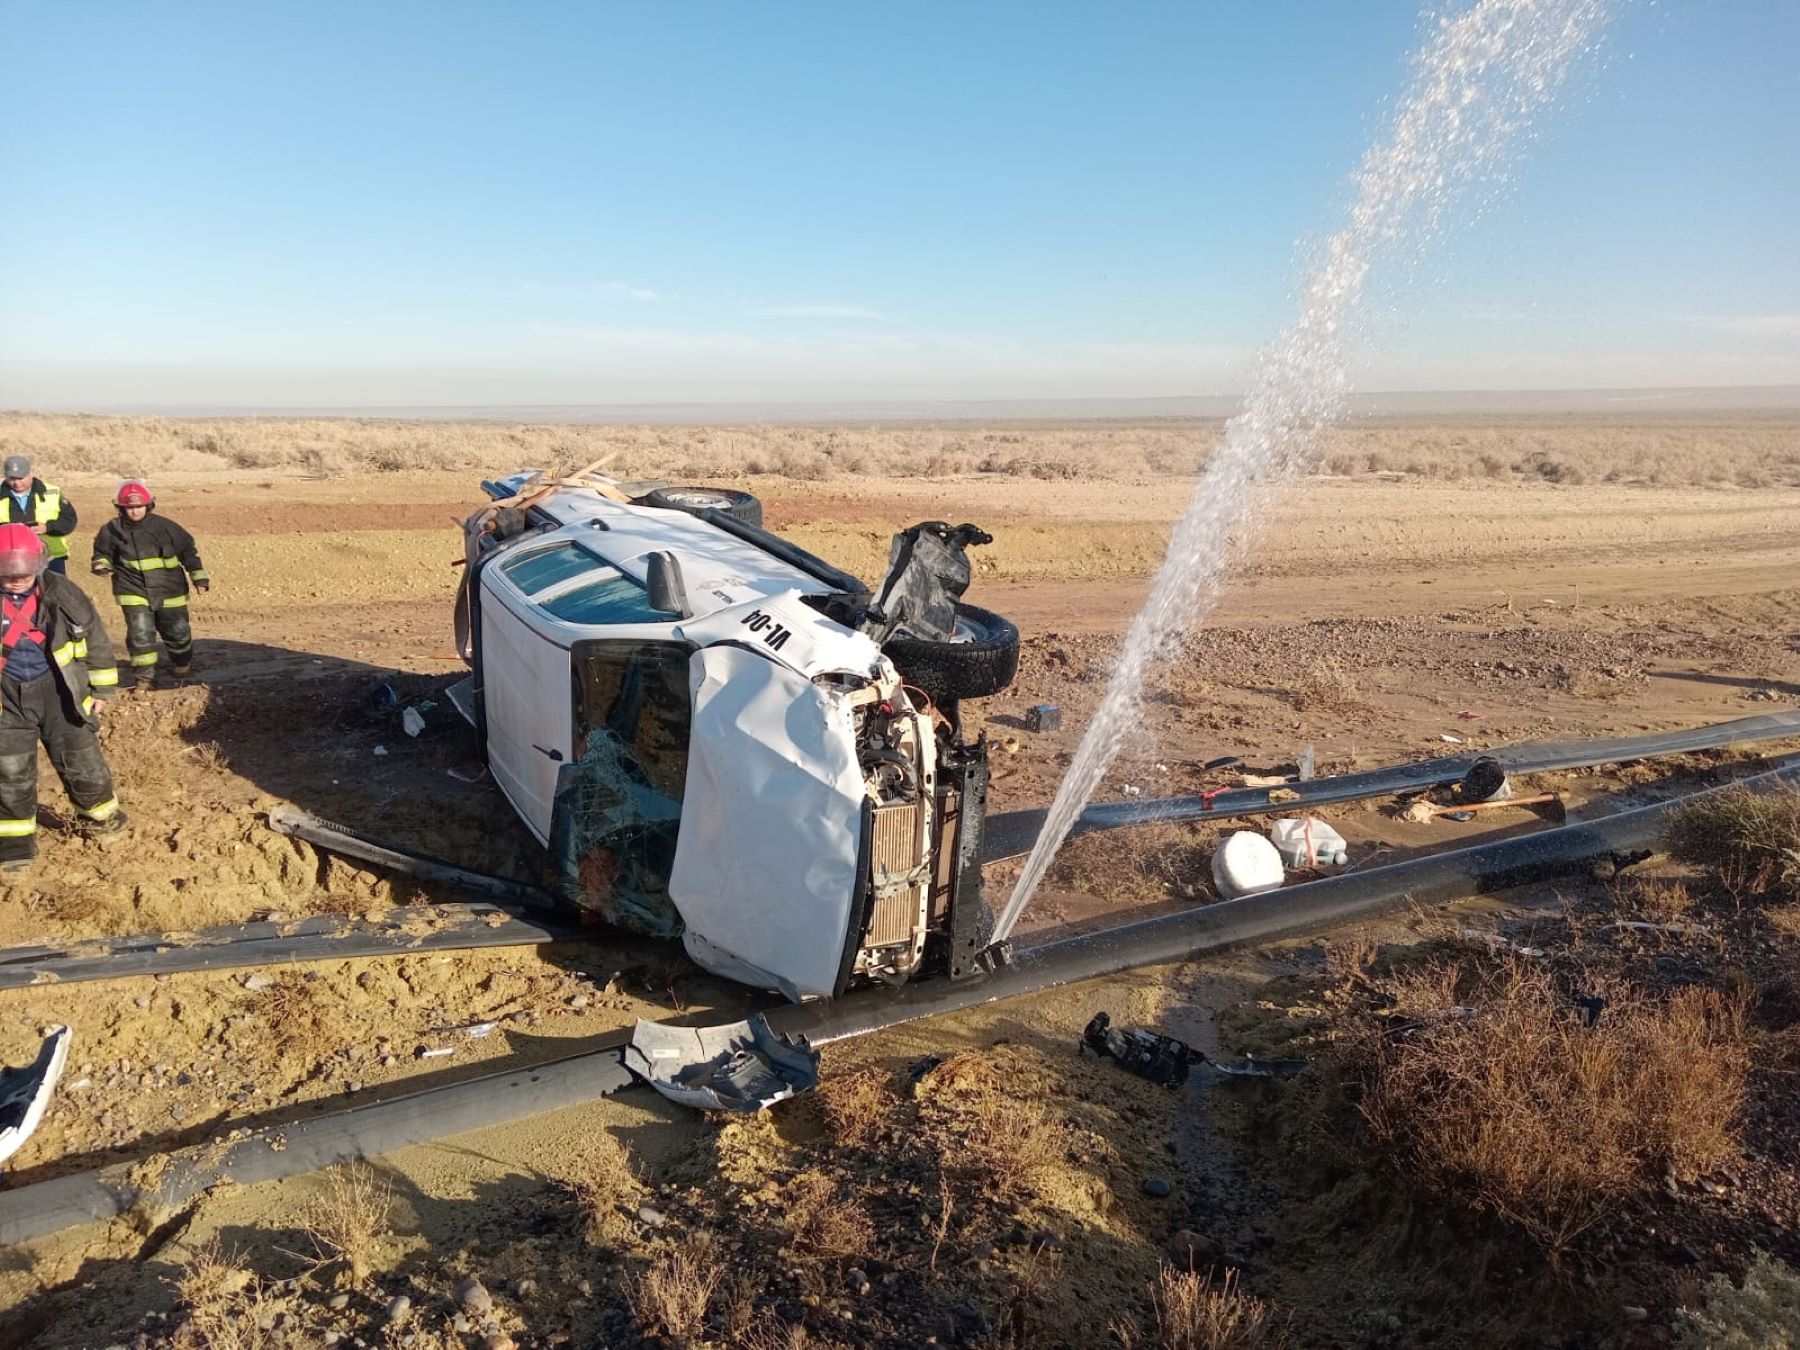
544 568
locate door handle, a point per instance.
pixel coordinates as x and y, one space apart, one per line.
555 755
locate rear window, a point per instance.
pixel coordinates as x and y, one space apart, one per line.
611 597
539 571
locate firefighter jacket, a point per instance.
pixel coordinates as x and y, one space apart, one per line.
47 507
81 654
150 560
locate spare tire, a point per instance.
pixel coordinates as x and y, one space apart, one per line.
980 660
738 505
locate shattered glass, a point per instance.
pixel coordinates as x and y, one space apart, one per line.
618 802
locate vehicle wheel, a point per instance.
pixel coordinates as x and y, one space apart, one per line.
738 505
980 660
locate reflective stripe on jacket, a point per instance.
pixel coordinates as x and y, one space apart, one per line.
80 651
150 560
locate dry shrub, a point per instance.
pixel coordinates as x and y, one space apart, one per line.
1164 858
604 1188
1502 1098
858 1106
1659 901
303 1019
1194 1313
983 1130
224 1303
1751 839
1784 919
826 1220
773 1334
1325 686
673 1294
348 1221
1762 1314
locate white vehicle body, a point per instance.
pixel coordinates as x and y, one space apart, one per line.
801 856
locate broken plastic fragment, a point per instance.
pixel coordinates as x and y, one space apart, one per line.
25 1093
741 1066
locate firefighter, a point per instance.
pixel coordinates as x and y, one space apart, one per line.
56 666
150 559
31 501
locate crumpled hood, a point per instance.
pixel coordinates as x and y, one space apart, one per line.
766 866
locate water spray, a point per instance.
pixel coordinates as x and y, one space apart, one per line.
1476 84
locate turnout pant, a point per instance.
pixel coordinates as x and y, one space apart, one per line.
30 713
144 620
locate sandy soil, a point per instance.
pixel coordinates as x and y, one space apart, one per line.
1372 619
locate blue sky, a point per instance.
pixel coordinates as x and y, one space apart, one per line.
457 203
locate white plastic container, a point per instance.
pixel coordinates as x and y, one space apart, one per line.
1309 842
1246 864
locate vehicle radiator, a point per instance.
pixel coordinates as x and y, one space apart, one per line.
900 877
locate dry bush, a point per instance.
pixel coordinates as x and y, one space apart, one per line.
1749 450
773 1334
1350 960
348 1222
1164 859
224 1303
1751 839
672 1295
1194 1313
858 1106
983 1130
302 1018
1784 919
826 1220
1658 900
604 1188
1325 686
1502 1098
1761 1314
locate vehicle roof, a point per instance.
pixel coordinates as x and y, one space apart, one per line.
718 569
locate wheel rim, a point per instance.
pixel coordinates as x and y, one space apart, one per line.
688 498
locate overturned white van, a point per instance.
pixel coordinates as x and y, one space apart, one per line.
717 734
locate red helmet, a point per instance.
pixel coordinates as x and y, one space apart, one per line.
22 553
133 492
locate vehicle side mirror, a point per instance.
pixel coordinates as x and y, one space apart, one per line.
663 581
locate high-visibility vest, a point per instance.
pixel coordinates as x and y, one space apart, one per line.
46 509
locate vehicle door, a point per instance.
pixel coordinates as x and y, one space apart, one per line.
525 681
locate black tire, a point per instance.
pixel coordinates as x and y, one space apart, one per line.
981 660
738 505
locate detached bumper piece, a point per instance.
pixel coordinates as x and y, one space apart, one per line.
743 1066
25 1093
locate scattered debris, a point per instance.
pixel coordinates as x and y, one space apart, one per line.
1043 717
25 1093
741 1066
1485 781
412 722
1166 1061
1308 841
1265 780
1246 864
1148 1054
1277 796
1423 812
1448 739
1307 764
